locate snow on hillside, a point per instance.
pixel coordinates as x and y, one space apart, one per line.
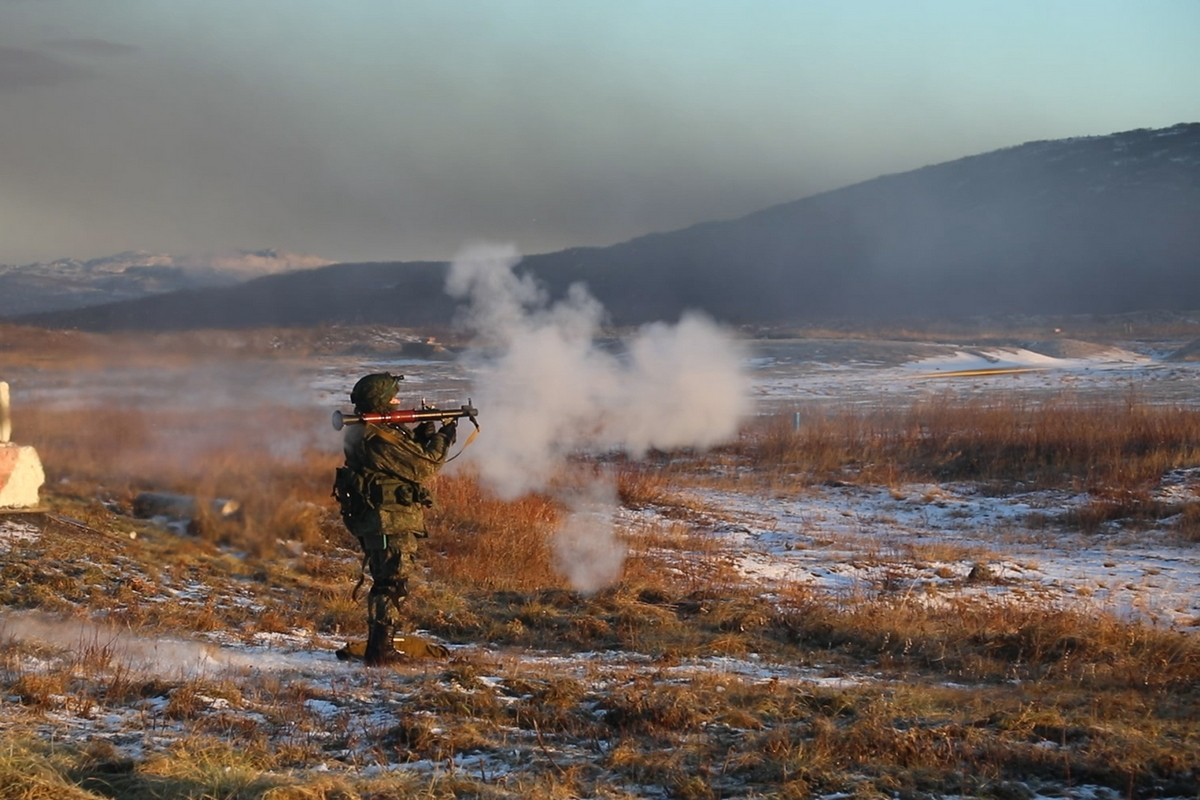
242 262
74 283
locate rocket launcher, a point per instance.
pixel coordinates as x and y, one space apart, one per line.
407 415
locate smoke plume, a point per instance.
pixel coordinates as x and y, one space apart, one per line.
160 656
157 656
586 549
549 386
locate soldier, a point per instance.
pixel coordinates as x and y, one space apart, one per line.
383 499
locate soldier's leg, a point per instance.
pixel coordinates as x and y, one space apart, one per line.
389 586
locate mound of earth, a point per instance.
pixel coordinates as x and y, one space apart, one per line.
874 352
1189 352
1075 348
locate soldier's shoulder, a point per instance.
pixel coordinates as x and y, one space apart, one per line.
385 429
398 437
353 434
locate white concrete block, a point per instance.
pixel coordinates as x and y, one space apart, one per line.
5 414
21 476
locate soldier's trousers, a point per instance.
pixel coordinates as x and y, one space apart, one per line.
390 571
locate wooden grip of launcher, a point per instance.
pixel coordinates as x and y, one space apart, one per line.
404 416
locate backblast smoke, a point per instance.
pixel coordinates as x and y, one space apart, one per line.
550 387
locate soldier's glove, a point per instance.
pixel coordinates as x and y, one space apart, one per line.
425 430
450 430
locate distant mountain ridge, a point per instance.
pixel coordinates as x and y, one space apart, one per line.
72 283
1099 224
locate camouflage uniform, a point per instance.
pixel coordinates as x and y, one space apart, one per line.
389 466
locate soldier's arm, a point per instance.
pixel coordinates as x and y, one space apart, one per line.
409 458
436 443
398 460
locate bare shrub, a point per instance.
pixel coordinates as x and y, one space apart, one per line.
640 484
1110 505
1188 524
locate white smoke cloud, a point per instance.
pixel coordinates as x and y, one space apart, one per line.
160 656
547 386
586 548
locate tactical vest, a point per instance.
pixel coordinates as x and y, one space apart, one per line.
361 491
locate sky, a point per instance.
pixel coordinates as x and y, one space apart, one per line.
381 130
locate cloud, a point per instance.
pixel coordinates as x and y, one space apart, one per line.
101 48
21 69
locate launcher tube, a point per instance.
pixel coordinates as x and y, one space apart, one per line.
404 416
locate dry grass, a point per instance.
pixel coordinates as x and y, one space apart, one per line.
958 697
1117 445
481 541
647 483
1188 524
969 699
23 346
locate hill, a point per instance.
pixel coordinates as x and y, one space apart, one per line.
1102 224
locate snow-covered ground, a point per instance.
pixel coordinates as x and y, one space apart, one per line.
841 539
845 540
925 540
863 375
849 541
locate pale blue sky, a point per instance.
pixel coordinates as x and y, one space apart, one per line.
387 129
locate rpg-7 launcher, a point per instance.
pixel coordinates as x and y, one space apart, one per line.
406 415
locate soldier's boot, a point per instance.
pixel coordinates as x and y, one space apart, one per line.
380 651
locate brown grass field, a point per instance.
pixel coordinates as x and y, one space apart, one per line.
969 699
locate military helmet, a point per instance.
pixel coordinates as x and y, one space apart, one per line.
373 393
